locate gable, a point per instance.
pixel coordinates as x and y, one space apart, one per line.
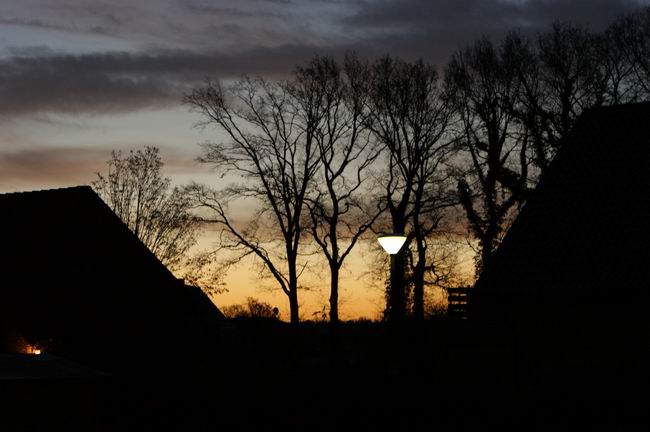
74 273
581 239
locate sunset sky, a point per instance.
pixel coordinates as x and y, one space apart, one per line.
81 78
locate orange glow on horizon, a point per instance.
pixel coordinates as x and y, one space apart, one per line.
360 296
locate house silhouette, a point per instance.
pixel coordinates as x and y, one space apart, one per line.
569 285
78 283
580 246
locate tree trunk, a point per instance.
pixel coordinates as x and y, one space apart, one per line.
395 298
488 243
418 272
486 253
293 304
418 300
293 289
334 294
418 288
395 303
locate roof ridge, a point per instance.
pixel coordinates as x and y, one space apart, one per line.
66 188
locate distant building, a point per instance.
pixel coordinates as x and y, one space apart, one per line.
581 245
76 282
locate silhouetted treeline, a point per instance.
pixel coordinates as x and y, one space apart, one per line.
342 149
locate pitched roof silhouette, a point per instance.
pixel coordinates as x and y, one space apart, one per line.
75 276
580 243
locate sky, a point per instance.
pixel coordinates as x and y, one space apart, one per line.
81 78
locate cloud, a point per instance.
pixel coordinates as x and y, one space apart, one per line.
273 37
60 167
123 82
485 15
595 14
22 169
435 29
203 25
78 84
179 24
35 23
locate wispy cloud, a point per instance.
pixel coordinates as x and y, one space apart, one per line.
31 22
78 84
68 166
181 42
122 82
28 169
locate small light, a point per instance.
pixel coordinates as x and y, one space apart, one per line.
392 243
36 351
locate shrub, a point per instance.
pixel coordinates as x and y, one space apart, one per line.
253 308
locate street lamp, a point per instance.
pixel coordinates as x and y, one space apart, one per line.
392 244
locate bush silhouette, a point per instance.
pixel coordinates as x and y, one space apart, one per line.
253 308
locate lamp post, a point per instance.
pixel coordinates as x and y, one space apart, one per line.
392 244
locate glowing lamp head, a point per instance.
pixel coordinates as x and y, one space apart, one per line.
36 351
392 243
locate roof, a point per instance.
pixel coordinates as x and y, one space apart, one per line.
73 273
581 240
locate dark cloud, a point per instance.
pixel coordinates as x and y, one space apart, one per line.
35 23
435 29
215 9
418 15
36 80
77 84
102 23
123 82
595 14
486 15
183 24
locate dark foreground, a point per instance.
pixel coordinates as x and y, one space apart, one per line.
443 375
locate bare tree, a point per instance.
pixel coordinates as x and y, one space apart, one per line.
631 34
571 70
444 270
136 191
567 71
339 214
485 86
427 216
619 83
409 116
527 106
271 149
570 77
520 100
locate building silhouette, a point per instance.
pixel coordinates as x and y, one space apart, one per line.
569 285
579 247
76 282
